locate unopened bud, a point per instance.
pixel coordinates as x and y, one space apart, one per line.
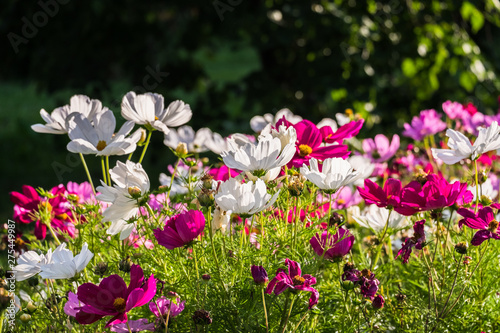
378 302
482 177
461 247
101 268
134 192
296 185
206 198
202 317
163 188
125 265
206 278
485 200
31 307
335 219
25 317
467 260
348 266
206 181
400 297
181 149
73 197
348 285
172 295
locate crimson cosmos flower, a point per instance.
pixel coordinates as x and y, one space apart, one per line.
346 131
417 241
365 279
29 206
294 280
388 196
180 229
332 246
309 140
112 297
484 221
259 275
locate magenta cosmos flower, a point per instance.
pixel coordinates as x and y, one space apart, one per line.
345 132
365 279
30 207
379 149
417 241
139 325
181 229
309 140
223 173
436 193
331 246
113 298
484 221
427 123
293 280
161 308
388 196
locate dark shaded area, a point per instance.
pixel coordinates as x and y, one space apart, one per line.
232 59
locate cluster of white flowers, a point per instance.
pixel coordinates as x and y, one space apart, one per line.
60 264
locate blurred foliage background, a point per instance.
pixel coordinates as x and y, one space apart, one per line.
231 60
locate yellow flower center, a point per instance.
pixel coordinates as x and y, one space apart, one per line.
156 118
120 304
341 201
45 205
298 280
493 226
304 150
101 145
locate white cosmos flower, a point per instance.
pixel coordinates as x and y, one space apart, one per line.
485 189
258 123
127 177
247 198
196 142
363 166
261 160
99 138
461 148
287 135
221 221
334 174
148 109
29 264
56 123
376 217
64 265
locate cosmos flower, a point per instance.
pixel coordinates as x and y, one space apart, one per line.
427 123
161 307
331 246
380 149
196 142
98 137
293 280
148 109
378 302
259 275
181 229
417 241
29 264
335 173
258 123
247 198
223 173
139 325
63 265
388 196
346 131
375 218
56 122
461 148
484 221
113 298
129 178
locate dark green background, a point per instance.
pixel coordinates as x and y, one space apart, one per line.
232 59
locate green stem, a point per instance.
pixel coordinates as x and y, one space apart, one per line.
87 171
381 240
103 167
107 170
265 310
52 232
288 315
477 186
128 326
296 226
145 146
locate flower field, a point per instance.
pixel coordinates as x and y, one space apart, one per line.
296 227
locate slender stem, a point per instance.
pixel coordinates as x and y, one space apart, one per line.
52 232
431 284
381 240
300 321
453 285
262 230
103 167
128 326
107 170
168 315
477 186
265 310
145 146
297 218
438 243
87 171
288 315
210 232
172 179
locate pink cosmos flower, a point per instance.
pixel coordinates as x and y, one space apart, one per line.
181 229
427 123
484 221
365 279
161 308
139 325
309 141
294 280
379 150
83 192
137 240
222 173
345 132
29 206
331 246
417 241
455 110
344 198
388 196
112 297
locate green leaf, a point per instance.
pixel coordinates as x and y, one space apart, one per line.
471 13
409 68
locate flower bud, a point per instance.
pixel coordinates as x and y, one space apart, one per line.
101 268
31 307
336 219
348 285
73 197
206 198
163 188
125 265
259 275
206 278
172 295
348 266
25 317
134 192
485 200
461 247
143 136
400 297
378 302
181 149
202 317
482 177
206 181
296 185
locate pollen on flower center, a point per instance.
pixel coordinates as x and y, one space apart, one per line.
101 145
304 150
493 226
341 201
298 280
45 205
119 304
366 273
